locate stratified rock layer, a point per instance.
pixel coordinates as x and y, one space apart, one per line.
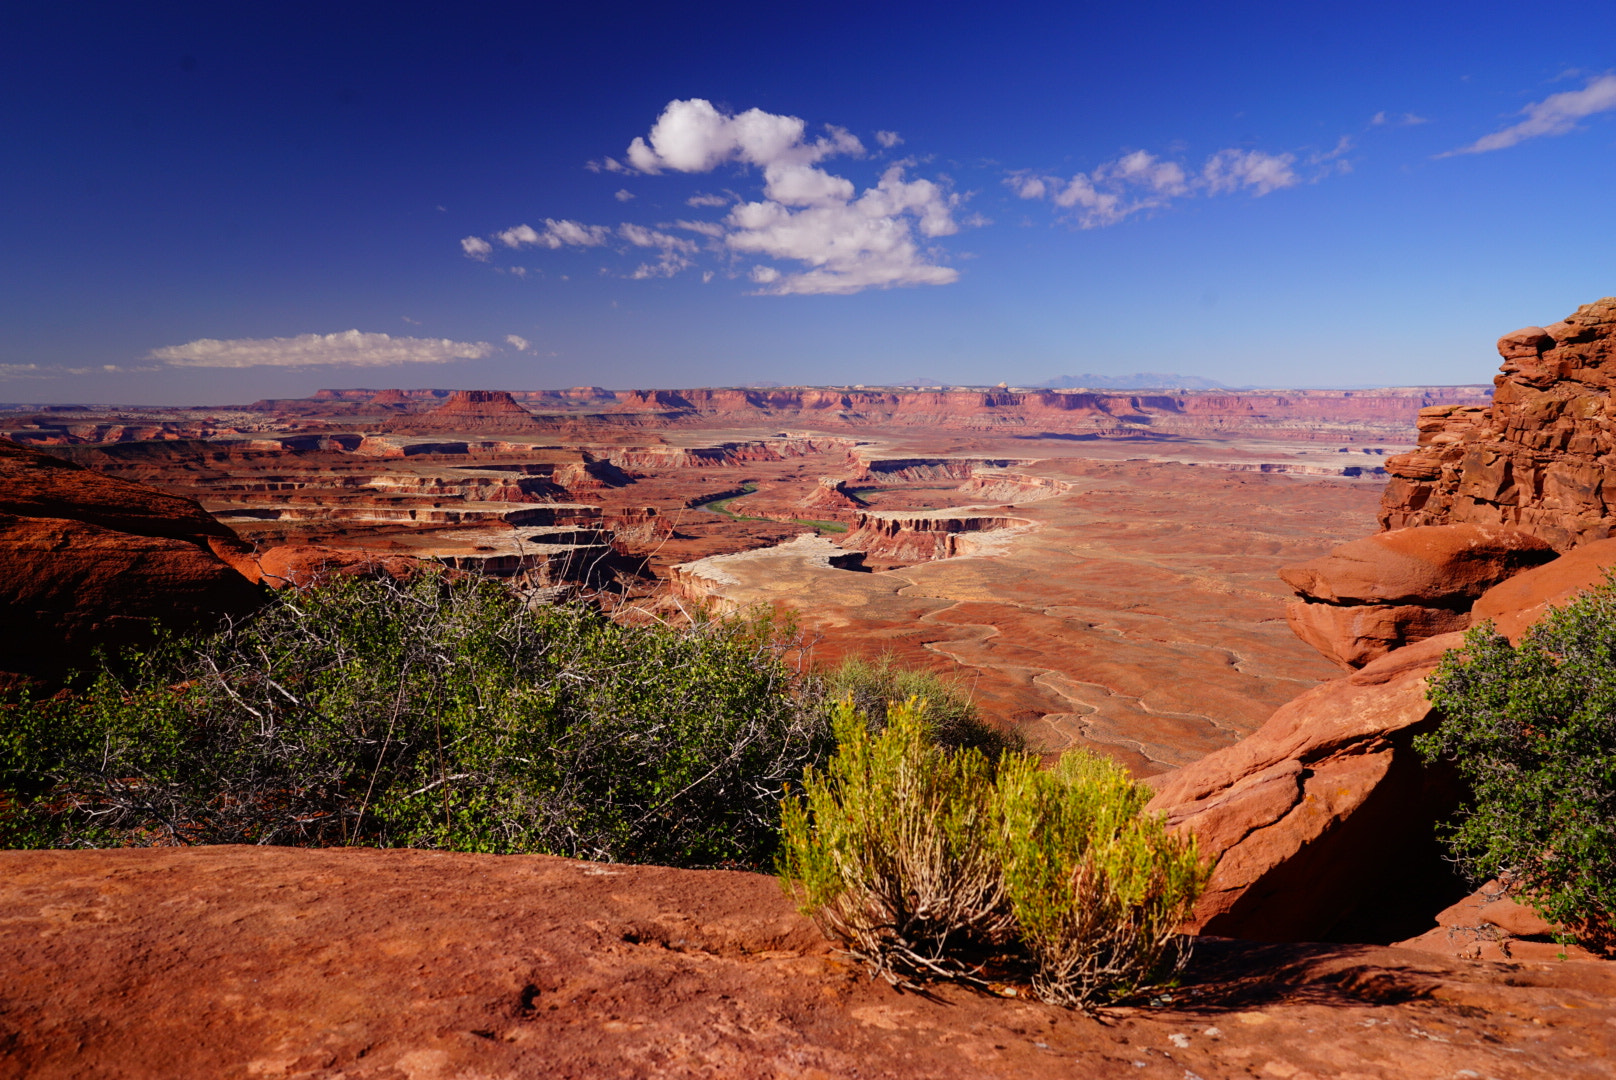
481 411
1539 457
1323 819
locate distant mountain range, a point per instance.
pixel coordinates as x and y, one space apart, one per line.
1143 380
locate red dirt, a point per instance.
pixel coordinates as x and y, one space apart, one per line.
405 965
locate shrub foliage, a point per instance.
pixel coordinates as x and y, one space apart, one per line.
434 714
951 716
893 849
930 863
1532 730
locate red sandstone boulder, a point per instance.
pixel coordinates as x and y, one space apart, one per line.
90 562
1371 596
1323 818
1491 925
1437 565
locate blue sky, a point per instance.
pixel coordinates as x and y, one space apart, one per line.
213 203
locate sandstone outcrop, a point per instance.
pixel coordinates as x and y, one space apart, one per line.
1323 819
303 565
1516 604
1371 596
1539 456
921 536
89 561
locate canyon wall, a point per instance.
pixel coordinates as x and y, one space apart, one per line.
1537 458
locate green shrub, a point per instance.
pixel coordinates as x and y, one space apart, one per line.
892 849
436 714
1097 887
1532 731
929 863
951 716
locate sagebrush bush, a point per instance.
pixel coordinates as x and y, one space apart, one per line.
926 862
951 717
1531 729
436 714
892 850
1097 887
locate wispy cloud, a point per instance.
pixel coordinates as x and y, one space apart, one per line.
1554 115
518 342
351 348
837 238
1138 182
40 371
1408 119
623 195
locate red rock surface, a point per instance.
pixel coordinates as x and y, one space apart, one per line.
403 965
1515 604
88 561
1370 596
1323 819
1490 925
303 565
1538 457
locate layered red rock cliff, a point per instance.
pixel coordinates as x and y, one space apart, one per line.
88 561
1539 457
1325 820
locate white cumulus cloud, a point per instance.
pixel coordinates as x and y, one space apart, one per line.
556 234
351 348
850 244
1137 182
518 342
1554 115
1229 171
841 239
674 252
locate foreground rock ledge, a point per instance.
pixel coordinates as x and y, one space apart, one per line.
407 965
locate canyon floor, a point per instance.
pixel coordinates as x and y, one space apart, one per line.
1115 590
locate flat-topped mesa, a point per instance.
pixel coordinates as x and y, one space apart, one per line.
1540 458
471 411
917 536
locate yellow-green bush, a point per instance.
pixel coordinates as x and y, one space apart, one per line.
892 848
931 863
1096 886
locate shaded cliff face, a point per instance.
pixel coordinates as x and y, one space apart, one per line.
1538 458
89 561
